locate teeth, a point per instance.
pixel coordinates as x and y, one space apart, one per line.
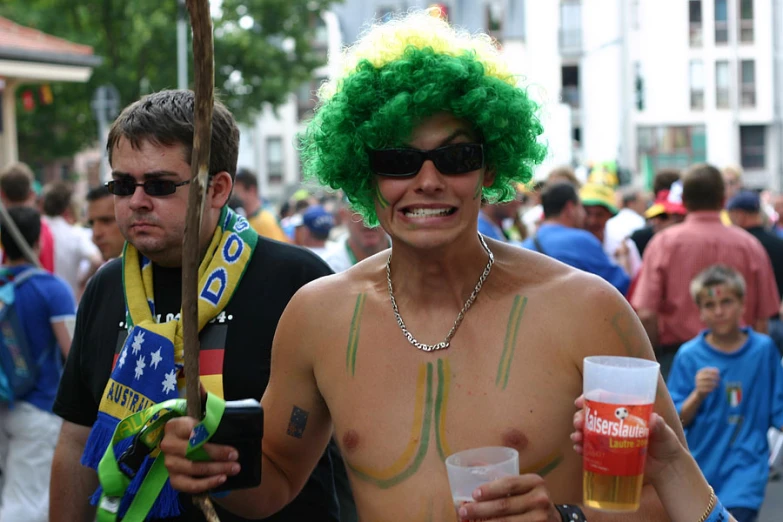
427 212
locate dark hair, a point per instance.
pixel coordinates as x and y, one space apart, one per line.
555 197
247 178
16 182
56 198
166 118
702 188
717 275
284 209
664 179
97 192
28 221
302 205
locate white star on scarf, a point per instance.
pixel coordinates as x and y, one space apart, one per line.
140 367
137 340
170 381
121 362
156 358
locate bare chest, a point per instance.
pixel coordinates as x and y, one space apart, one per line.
399 412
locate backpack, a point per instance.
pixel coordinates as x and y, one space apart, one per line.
18 369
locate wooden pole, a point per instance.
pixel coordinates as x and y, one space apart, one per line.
204 70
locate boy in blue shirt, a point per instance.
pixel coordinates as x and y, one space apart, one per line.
727 385
28 431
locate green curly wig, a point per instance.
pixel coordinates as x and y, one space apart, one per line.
397 75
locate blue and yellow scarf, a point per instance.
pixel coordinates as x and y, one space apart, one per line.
148 369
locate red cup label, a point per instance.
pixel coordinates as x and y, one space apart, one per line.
615 438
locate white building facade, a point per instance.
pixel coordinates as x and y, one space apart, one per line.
651 84
269 146
668 83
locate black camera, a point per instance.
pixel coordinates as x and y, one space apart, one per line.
242 427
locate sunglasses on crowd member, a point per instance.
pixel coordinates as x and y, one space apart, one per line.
457 158
152 187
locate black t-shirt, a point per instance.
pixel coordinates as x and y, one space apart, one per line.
774 247
246 327
641 237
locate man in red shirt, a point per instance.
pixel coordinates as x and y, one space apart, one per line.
676 255
16 190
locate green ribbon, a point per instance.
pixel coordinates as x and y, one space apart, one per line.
147 425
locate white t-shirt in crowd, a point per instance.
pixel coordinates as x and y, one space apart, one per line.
72 245
619 228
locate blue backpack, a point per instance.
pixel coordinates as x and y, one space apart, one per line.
18 368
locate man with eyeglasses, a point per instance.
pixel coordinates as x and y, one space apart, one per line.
449 341
127 349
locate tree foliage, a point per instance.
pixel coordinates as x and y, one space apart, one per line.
263 50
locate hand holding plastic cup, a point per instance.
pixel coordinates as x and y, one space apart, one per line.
471 468
619 398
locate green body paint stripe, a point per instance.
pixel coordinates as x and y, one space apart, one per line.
425 440
380 197
510 342
438 405
353 335
550 467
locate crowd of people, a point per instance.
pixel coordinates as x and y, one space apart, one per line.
432 300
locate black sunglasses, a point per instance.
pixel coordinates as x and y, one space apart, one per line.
152 187
457 158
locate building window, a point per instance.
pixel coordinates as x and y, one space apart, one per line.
694 18
697 84
274 160
752 146
746 21
747 83
570 26
494 16
671 147
722 84
570 95
638 86
721 22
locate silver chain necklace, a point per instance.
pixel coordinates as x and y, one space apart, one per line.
445 342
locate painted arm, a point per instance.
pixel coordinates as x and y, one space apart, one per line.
649 320
297 425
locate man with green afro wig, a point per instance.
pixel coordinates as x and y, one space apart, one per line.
447 341
403 72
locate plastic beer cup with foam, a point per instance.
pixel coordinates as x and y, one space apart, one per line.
619 398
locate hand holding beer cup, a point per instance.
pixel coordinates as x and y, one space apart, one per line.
663 450
707 380
672 471
485 484
619 394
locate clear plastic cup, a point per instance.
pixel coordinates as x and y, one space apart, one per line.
619 398
471 468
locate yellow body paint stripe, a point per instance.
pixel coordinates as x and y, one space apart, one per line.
416 432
